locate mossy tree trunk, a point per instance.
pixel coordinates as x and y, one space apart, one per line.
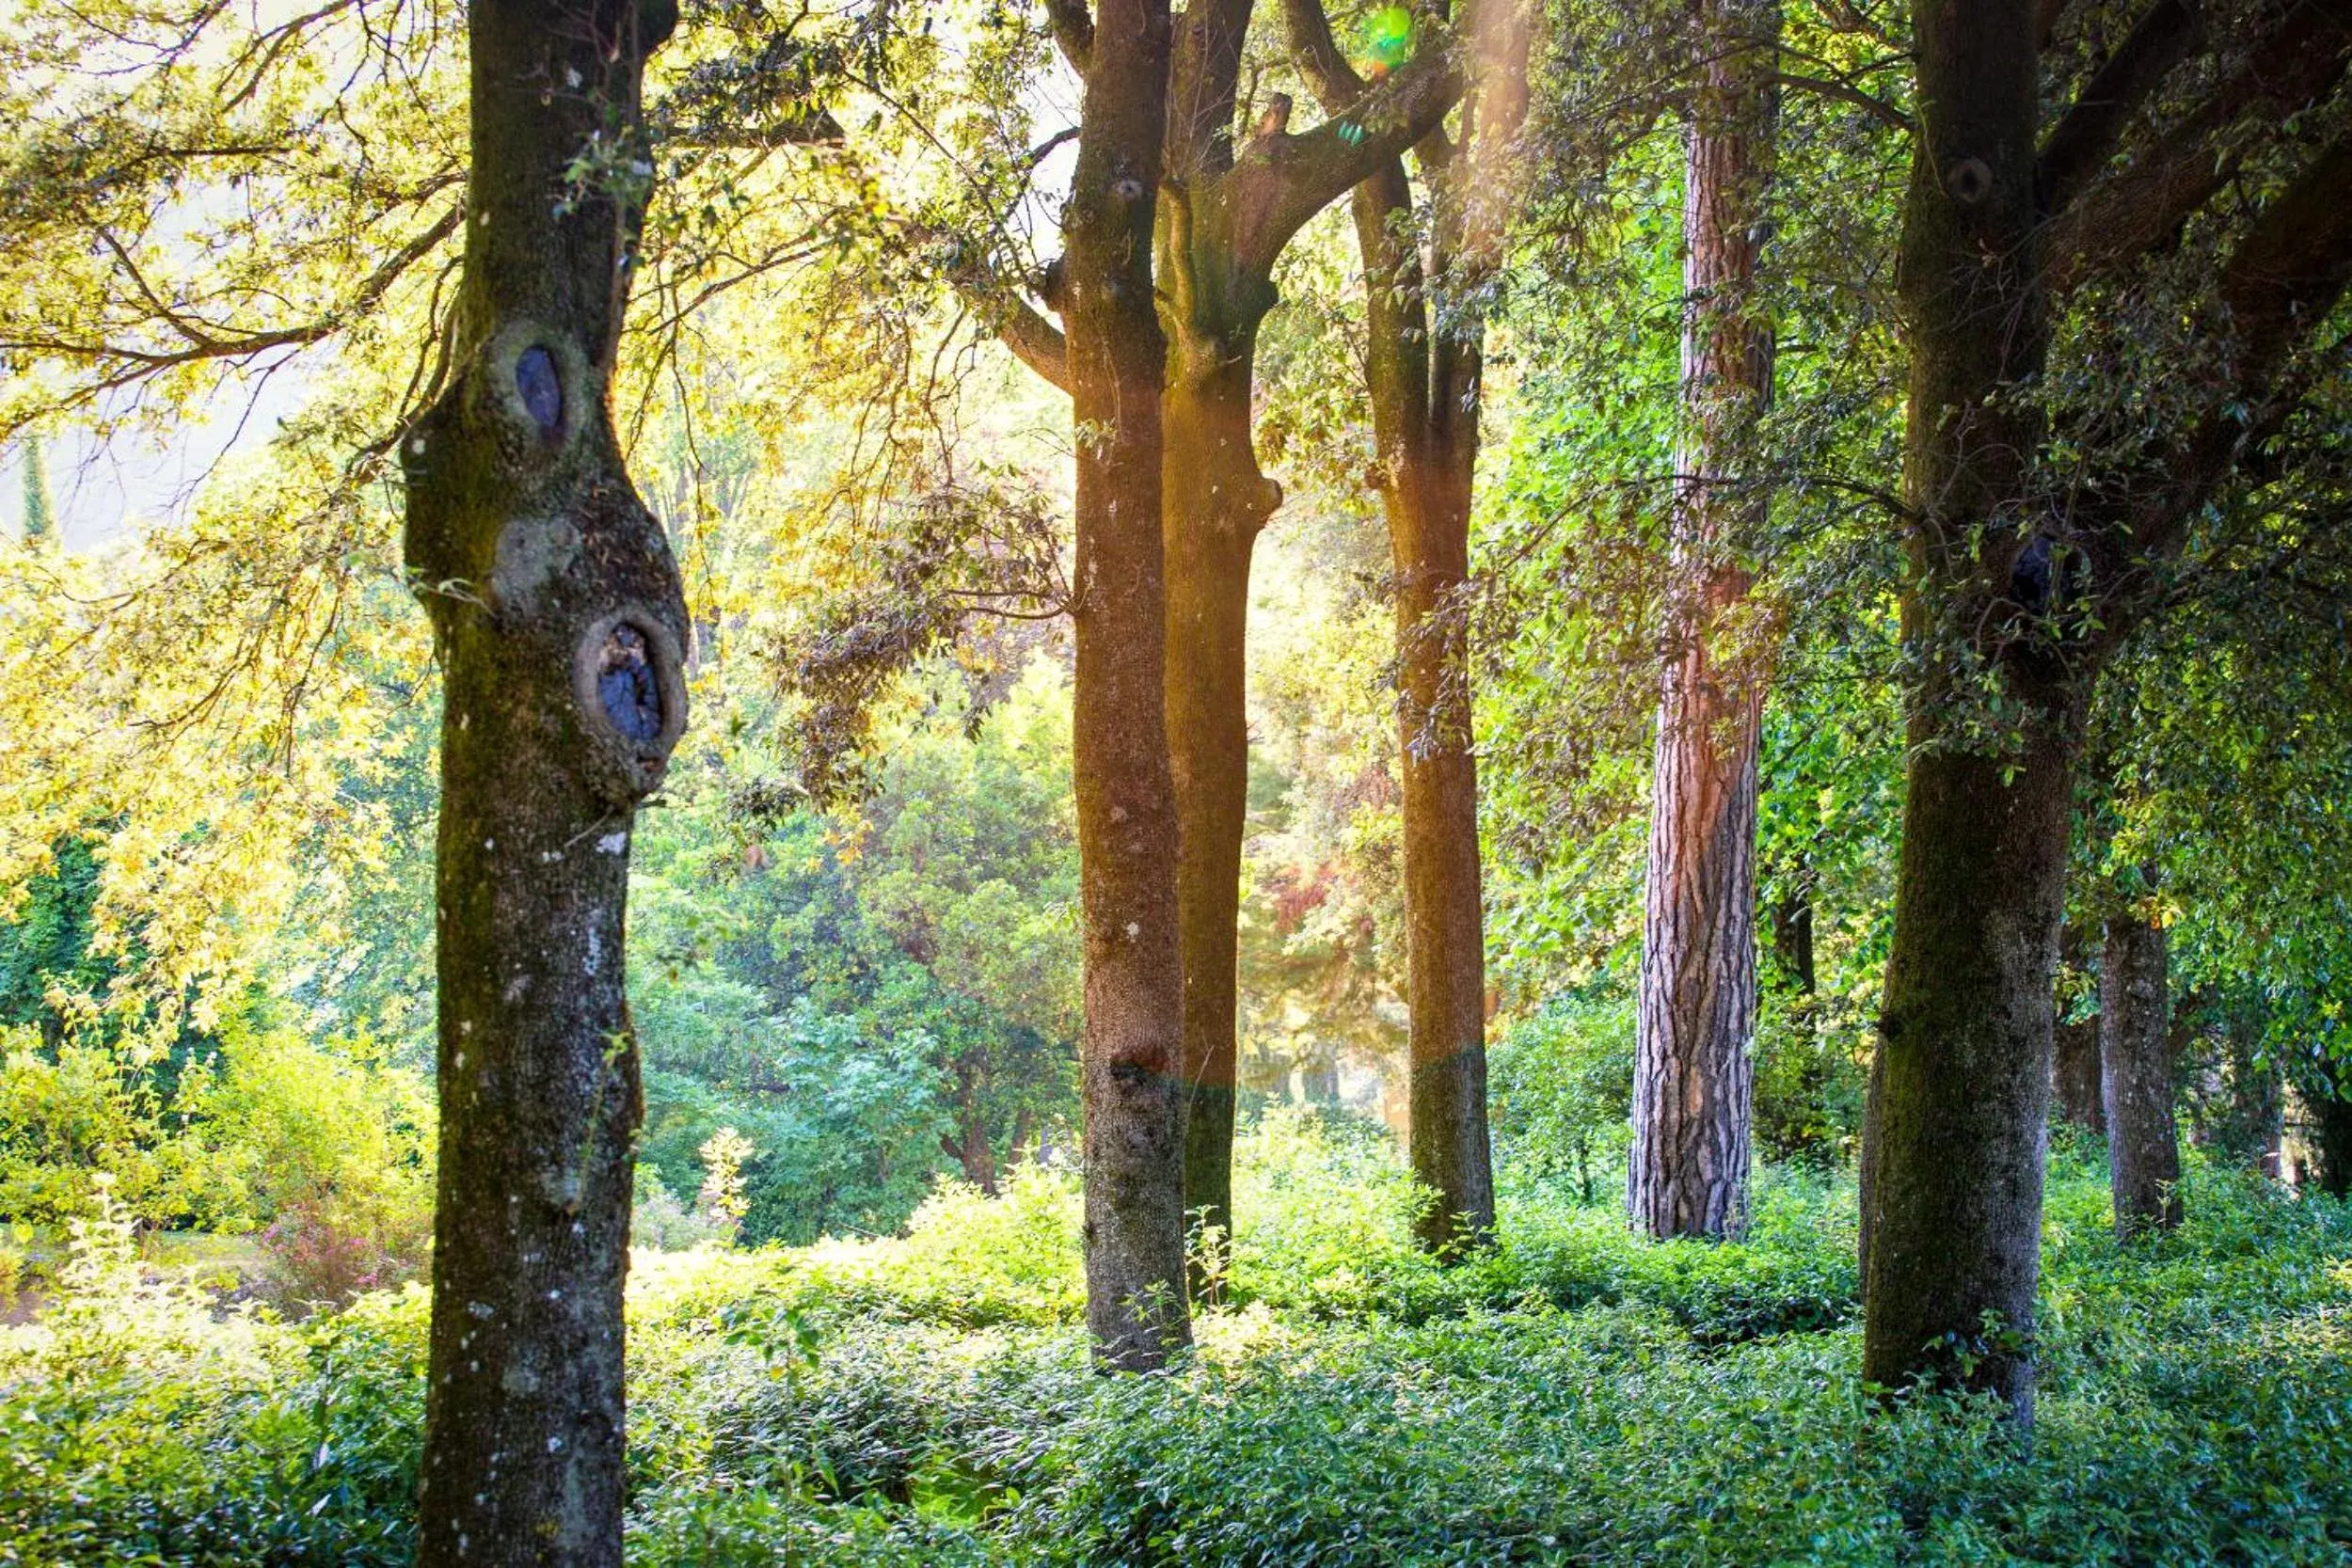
2135 1076
1694 1081
1959 1087
559 623
1127 828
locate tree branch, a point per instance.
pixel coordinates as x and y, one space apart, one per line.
2082 141
2133 211
1319 58
1293 177
1073 30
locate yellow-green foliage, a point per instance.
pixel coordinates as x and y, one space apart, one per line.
68 1115
966 1259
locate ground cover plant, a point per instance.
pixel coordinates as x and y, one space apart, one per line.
1174 780
1580 1396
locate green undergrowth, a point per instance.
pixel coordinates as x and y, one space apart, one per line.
1575 1397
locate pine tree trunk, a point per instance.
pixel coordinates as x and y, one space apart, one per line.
2074 1080
1696 1020
2143 1147
1127 827
559 622
1959 1089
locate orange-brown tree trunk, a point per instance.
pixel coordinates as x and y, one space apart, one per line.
1426 389
1127 831
1695 1020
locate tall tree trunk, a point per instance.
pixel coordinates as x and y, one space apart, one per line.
1216 504
970 1147
1960 1088
2135 1076
1224 221
1444 917
1425 391
1424 479
1694 1080
1792 938
2074 1079
1127 829
1212 303
1018 1152
559 622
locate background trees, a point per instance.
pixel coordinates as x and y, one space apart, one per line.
858 941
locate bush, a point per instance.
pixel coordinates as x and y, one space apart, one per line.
1561 1086
333 1156
1577 1396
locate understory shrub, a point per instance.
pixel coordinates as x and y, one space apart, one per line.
1575 1397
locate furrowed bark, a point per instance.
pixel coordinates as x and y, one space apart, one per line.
1127 828
559 620
1696 1020
1959 1087
2135 1077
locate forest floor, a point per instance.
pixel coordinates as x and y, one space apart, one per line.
1575 1397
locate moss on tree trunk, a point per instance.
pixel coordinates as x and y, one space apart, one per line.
559 623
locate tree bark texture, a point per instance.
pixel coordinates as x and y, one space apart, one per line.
1217 502
1127 825
2074 1080
559 623
2135 1076
1694 1081
1226 216
1954 1134
1424 387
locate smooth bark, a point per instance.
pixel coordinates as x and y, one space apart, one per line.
1127 829
1229 211
1695 1016
2135 1077
558 620
1425 389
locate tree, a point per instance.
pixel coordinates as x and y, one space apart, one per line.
2028 563
1694 1081
1425 391
2136 1074
2074 1089
560 622
1227 213
1133 1050
40 520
